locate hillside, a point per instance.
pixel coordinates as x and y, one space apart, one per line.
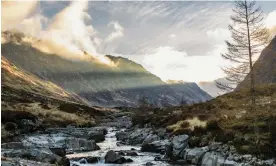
264 68
120 85
190 89
227 118
42 103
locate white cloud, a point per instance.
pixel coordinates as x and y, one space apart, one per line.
172 35
169 63
13 12
117 33
219 34
271 22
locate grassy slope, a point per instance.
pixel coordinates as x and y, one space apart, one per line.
226 118
25 96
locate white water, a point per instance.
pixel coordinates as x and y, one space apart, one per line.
110 144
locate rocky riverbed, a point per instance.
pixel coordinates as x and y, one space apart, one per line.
116 141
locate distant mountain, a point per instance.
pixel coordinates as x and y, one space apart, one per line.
188 90
211 88
264 68
102 85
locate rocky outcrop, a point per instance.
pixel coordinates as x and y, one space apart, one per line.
155 146
115 158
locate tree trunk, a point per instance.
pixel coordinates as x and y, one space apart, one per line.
252 79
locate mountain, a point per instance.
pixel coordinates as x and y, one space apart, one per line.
190 89
25 96
211 88
122 84
264 68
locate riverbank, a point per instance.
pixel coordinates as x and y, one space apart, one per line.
116 141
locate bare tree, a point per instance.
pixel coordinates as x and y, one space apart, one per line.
249 36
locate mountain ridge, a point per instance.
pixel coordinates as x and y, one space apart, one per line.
102 85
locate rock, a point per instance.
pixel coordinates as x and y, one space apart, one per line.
194 156
129 160
28 126
204 140
59 151
12 145
113 157
209 159
215 146
229 163
91 159
64 162
194 141
149 164
80 144
131 153
36 154
247 157
150 138
121 135
155 147
97 136
161 132
10 126
179 143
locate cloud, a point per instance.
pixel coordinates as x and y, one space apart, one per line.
169 63
271 23
117 33
172 35
13 12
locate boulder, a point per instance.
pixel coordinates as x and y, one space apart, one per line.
12 145
59 151
179 143
194 156
10 126
115 158
155 147
97 136
121 136
150 138
213 159
36 154
86 160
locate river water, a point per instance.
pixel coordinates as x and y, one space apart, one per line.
110 143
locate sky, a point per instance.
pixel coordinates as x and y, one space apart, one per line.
173 40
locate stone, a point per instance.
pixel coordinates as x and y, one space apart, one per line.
149 164
230 163
214 146
121 135
204 140
194 141
131 153
155 147
113 157
12 145
97 136
212 159
64 162
36 154
150 138
10 126
195 155
179 143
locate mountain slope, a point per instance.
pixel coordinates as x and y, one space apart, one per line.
264 68
190 89
100 84
25 96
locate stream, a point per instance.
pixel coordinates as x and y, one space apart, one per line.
110 143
